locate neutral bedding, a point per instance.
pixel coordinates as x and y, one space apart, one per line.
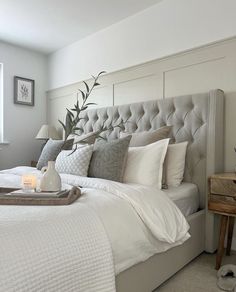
150 223
185 196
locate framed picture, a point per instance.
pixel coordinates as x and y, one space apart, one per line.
23 91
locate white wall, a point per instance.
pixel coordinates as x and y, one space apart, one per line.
166 28
21 123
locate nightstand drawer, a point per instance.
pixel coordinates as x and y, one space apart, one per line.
225 187
222 205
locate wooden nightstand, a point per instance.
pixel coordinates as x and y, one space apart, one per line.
222 201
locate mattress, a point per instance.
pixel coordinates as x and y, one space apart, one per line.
185 196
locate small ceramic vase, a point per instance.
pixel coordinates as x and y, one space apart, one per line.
50 181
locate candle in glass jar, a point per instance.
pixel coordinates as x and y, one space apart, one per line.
29 182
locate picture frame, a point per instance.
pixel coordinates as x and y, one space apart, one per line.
23 91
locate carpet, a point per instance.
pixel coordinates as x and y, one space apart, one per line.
197 276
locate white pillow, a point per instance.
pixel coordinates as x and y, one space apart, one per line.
145 164
76 163
175 164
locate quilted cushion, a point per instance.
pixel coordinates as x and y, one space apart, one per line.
109 159
76 163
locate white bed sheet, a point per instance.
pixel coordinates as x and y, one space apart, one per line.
185 196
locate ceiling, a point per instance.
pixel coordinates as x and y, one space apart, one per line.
48 25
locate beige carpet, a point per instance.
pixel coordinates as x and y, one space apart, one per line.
198 276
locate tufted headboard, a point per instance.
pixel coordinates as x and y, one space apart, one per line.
196 118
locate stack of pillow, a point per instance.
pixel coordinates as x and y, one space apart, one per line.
144 158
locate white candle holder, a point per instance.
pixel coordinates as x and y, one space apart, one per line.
29 182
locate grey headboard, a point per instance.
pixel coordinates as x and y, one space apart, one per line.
196 118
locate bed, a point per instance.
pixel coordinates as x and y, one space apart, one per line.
197 119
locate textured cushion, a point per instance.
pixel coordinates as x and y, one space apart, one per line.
49 152
175 164
109 159
145 164
145 138
76 163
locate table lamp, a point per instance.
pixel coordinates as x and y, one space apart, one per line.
46 132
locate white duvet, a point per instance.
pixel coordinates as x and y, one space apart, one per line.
139 221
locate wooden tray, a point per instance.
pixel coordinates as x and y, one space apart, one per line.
66 199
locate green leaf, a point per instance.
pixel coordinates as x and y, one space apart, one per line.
73 151
86 85
70 113
102 72
86 96
63 125
78 129
77 103
68 119
91 103
83 94
101 137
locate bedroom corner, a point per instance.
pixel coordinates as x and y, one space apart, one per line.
117 146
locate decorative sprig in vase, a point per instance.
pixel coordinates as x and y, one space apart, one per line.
73 115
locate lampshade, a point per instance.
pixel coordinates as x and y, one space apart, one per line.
47 132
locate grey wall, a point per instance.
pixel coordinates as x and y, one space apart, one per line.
21 123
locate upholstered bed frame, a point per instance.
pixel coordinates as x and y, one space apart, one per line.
199 119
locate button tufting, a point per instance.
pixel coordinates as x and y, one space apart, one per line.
181 124
187 114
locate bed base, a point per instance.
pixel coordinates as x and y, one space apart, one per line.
148 275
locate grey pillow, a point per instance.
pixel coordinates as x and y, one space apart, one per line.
145 138
109 159
51 150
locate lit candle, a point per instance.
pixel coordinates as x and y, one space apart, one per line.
29 182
